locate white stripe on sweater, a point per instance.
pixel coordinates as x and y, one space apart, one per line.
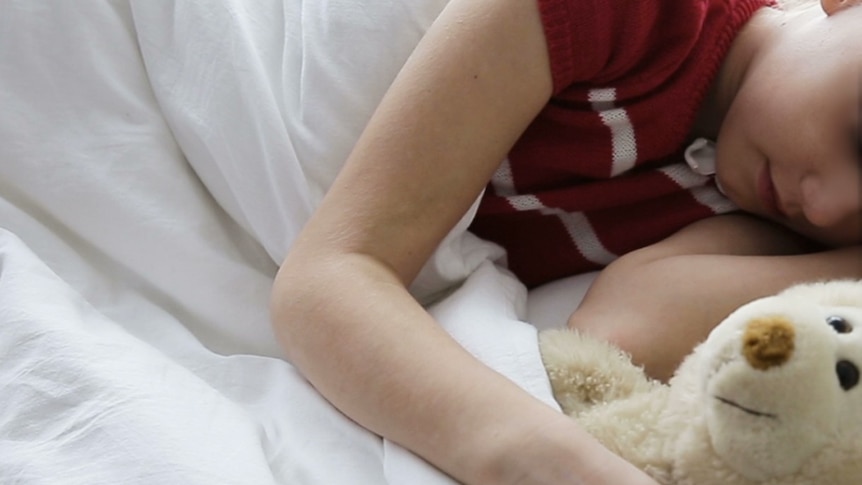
585 238
708 196
503 181
578 227
624 143
603 99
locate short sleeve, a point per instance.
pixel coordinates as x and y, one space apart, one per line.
568 23
601 41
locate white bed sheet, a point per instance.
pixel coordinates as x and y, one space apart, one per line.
156 160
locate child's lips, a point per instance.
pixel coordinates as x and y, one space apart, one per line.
768 195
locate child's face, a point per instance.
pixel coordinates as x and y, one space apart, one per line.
789 146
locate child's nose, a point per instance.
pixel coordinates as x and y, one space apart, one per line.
826 201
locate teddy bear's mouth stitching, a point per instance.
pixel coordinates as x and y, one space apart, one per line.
745 409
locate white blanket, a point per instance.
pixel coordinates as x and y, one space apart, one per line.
156 160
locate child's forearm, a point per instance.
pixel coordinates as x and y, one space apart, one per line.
340 306
370 349
381 360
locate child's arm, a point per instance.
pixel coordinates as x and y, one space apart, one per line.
340 307
658 302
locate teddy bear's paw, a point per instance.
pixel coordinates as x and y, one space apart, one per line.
585 371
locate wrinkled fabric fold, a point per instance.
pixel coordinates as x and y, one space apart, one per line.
156 160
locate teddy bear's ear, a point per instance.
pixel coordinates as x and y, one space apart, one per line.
585 372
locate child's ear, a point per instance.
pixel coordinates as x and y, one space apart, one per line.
832 6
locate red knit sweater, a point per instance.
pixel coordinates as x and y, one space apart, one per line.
600 171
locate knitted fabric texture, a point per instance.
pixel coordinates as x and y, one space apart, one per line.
600 172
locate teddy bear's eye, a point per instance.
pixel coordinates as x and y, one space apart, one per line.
839 324
848 374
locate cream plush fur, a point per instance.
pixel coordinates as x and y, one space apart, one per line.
772 397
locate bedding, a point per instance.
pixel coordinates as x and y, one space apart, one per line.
157 158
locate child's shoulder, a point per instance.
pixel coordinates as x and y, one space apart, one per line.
597 40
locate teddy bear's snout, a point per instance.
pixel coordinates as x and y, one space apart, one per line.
768 342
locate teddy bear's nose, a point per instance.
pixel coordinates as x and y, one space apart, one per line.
768 342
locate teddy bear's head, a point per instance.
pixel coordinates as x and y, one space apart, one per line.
776 389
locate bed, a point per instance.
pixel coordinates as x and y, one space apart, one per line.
157 158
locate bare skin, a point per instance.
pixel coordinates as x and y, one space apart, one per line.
809 151
340 305
792 119
695 279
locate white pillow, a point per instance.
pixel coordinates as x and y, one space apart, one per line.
550 305
267 99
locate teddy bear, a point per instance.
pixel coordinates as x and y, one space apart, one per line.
771 397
